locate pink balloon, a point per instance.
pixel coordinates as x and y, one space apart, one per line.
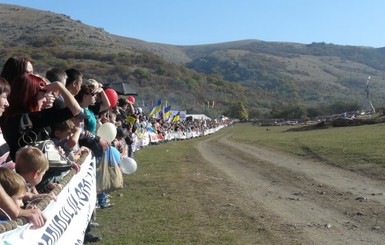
112 96
131 99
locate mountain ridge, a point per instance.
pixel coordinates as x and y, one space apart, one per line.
264 76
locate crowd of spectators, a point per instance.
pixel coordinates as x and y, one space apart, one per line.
68 109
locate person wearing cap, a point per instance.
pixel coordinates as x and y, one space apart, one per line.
91 107
87 98
93 101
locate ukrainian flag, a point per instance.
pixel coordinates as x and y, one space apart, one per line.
176 117
167 112
156 108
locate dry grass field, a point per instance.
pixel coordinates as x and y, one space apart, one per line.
249 185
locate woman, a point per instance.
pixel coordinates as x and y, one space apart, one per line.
5 159
16 66
34 216
87 100
27 97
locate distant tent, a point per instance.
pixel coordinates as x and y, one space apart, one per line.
193 117
122 88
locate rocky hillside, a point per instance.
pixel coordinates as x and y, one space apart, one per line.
267 77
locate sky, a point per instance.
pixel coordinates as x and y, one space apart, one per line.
194 22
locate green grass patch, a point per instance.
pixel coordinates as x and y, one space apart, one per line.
175 197
359 148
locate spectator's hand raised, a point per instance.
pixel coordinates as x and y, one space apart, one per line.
49 99
54 87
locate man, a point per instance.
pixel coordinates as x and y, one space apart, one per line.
74 81
73 84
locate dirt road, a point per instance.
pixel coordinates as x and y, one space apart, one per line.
300 200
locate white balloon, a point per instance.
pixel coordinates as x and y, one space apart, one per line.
128 165
107 131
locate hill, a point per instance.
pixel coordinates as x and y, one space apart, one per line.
267 77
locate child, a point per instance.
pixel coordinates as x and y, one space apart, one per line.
15 186
32 164
66 136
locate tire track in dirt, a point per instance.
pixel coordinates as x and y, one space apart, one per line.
318 203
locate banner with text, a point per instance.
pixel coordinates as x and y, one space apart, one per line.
67 217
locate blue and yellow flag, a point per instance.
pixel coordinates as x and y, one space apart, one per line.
167 112
176 117
156 108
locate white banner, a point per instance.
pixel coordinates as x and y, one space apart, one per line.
67 217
